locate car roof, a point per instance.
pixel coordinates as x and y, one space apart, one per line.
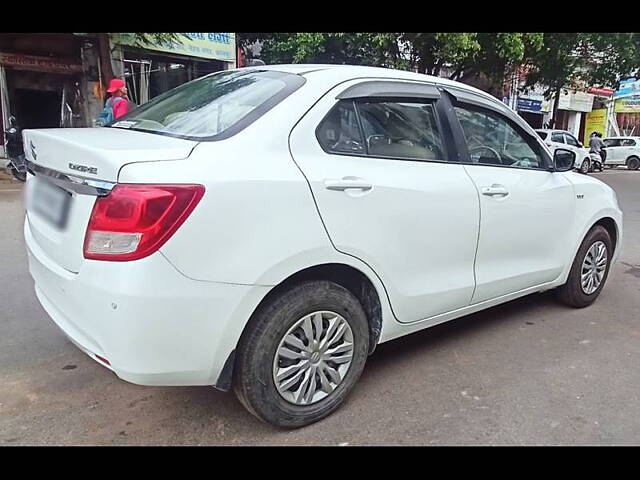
552 130
341 73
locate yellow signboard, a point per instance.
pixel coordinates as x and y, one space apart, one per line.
216 46
627 105
595 121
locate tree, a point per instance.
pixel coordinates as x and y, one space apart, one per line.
583 59
354 48
557 64
612 57
497 57
430 52
140 39
465 54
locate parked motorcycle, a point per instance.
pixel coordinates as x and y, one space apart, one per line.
15 150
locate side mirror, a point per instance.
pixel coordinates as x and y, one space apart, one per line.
12 121
563 160
581 145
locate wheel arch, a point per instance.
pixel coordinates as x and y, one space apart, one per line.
611 227
347 276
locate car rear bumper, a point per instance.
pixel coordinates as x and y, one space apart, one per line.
154 325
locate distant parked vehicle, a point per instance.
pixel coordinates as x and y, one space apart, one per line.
562 139
623 151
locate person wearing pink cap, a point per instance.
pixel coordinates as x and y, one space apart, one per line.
118 90
116 105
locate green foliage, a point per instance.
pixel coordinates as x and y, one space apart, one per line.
340 48
146 39
585 59
552 59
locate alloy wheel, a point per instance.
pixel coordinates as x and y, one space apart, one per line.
593 267
313 357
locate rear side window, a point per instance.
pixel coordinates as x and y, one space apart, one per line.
378 128
339 132
400 130
557 138
612 142
628 143
542 135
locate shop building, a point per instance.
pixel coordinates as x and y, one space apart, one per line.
154 69
627 107
531 107
54 80
42 81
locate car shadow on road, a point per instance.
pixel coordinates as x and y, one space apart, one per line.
203 402
469 325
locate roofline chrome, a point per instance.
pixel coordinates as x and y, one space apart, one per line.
72 183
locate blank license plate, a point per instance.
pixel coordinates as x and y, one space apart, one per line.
51 202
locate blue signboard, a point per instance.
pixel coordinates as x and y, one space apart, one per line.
529 105
628 88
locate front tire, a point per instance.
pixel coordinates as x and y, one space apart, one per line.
302 354
633 163
589 271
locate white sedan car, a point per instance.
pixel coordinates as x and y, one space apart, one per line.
264 229
623 151
562 139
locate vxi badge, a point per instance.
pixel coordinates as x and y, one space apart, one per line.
83 168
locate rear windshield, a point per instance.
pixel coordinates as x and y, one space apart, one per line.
212 107
542 135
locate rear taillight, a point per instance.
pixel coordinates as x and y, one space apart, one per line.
134 221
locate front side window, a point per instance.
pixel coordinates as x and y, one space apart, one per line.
213 105
400 129
492 140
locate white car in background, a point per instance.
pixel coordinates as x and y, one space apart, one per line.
623 151
562 139
264 229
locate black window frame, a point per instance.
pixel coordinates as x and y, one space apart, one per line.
441 119
483 106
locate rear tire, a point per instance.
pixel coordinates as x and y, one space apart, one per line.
585 166
633 163
573 292
259 356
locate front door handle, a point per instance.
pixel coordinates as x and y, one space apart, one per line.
346 183
495 190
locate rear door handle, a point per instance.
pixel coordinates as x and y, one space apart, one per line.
346 183
495 190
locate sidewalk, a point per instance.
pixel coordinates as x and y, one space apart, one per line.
6 179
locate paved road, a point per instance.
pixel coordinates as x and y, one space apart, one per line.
528 372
